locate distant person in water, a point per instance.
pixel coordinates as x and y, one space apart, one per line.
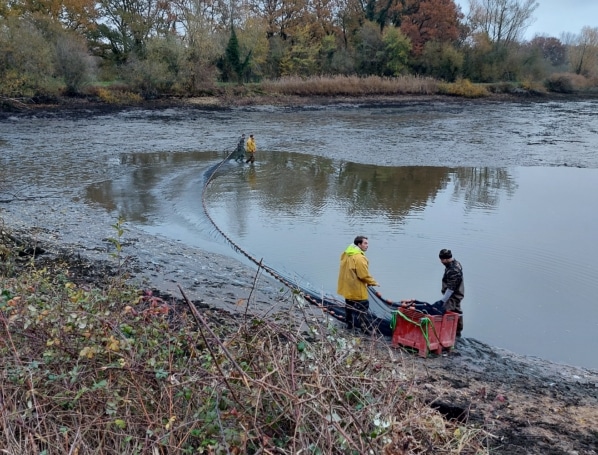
240 150
250 149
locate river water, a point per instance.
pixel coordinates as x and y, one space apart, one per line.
510 188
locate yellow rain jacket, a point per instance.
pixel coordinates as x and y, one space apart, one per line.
250 145
354 276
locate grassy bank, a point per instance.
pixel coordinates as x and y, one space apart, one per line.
285 90
90 365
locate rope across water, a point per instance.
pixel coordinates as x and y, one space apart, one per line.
326 304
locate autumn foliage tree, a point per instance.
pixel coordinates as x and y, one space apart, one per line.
441 60
72 14
127 24
396 51
431 20
185 46
552 49
583 52
26 59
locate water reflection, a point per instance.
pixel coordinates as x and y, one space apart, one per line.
393 192
494 189
307 185
483 187
523 235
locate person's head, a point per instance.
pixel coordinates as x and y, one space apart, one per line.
361 242
251 136
445 256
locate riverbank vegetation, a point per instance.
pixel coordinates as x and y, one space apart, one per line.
91 365
127 52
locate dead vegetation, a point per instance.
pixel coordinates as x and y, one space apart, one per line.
104 369
351 86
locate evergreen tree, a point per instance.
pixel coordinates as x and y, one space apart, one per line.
231 67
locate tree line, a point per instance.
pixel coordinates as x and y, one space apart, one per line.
157 47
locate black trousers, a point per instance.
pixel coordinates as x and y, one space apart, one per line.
356 314
455 306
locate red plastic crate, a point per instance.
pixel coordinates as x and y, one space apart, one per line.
441 331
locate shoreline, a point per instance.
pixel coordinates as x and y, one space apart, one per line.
93 236
161 274
63 105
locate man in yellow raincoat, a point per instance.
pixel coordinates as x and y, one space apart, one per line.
353 279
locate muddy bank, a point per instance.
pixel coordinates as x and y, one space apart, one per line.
531 406
72 231
81 105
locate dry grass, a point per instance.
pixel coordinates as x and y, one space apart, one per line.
116 95
89 370
534 87
351 86
464 88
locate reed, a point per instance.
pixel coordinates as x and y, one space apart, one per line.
351 86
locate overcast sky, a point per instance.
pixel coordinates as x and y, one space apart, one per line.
554 17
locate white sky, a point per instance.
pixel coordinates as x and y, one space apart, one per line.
554 17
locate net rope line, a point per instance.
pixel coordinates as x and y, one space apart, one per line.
326 303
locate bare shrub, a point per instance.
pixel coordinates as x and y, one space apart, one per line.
26 60
149 78
73 63
566 82
533 86
116 94
501 87
197 78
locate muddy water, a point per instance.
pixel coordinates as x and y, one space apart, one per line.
510 188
